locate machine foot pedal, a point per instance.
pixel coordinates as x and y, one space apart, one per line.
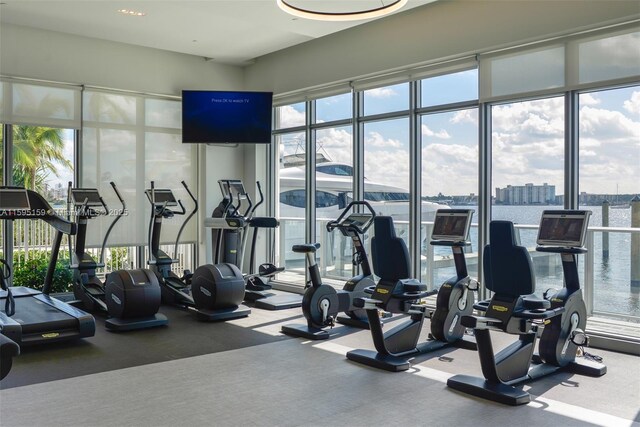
222 313
304 331
122 325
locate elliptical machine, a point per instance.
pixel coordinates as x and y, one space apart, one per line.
213 292
396 347
229 235
131 298
8 348
558 320
321 303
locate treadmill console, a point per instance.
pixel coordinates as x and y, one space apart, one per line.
14 199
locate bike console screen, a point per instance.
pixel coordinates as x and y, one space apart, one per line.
357 219
452 224
563 228
14 199
162 196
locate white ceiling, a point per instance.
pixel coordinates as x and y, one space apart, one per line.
229 31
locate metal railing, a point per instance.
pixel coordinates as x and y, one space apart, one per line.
605 280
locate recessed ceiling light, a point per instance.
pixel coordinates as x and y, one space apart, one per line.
131 12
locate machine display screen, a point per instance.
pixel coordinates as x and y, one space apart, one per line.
452 224
562 228
162 196
357 219
90 196
14 199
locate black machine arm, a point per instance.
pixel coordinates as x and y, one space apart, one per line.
113 223
184 224
331 225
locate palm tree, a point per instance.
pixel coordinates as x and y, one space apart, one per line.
36 150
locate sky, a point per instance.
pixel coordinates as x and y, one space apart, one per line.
527 139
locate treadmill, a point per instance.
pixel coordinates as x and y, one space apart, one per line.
38 318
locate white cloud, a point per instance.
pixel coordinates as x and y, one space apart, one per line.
587 99
336 143
290 117
382 92
442 133
465 116
633 104
608 123
374 139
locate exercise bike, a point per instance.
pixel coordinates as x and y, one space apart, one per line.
130 298
8 348
559 320
396 347
212 291
321 303
230 227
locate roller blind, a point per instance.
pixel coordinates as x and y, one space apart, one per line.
133 139
26 103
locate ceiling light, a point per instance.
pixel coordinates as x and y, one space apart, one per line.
131 12
321 15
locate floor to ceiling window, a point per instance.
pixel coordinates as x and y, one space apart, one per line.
449 149
291 157
609 141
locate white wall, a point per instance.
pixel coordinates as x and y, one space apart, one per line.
48 55
428 33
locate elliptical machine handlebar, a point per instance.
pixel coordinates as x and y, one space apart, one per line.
115 220
184 224
337 223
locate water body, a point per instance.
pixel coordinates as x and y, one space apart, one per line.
612 291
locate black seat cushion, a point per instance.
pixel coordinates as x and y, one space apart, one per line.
389 253
507 265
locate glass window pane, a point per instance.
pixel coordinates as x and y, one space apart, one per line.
448 88
449 178
609 159
291 209
609 58
386 99
289 116
529 71
334 186
386 169
333 108
43 161
163 113
528 170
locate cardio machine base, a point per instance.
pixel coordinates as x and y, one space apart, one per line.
393 363
206 315
374 359
497 392
579 366
278 302
350 321
122 325
305 331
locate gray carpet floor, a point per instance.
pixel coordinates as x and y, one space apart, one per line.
291 382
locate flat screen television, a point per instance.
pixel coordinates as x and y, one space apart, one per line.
226 117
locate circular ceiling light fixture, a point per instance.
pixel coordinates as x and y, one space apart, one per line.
352 15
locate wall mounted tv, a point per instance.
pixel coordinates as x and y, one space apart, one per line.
226 117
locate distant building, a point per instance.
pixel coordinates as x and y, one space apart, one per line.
527 194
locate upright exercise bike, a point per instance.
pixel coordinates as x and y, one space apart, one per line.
131 298
393 293
322 303
213 291
559 320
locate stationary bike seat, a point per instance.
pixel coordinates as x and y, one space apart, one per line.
531 302
267 270
306 248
